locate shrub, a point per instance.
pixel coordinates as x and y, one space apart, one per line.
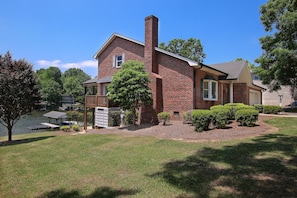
220 116
224 107
76 127
235 107
201 119
247 117
187 117
259 107
129 117
163 116
65 128
114 118
271 109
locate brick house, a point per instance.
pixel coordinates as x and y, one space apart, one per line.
178 84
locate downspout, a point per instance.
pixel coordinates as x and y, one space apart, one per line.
231 92
194 84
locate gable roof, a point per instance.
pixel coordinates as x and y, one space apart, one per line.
112 38
233 69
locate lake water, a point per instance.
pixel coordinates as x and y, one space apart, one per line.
26 121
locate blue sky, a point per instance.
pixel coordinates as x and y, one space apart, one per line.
67 33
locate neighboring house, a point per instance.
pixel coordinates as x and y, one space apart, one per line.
178 84
67 101
282 97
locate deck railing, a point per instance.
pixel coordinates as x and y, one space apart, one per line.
93 101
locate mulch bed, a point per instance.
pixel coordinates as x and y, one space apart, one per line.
175 130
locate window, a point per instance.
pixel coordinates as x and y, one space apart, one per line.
210 90
118 60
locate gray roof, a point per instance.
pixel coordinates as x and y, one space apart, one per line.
94 80
55 115
106 79
233 69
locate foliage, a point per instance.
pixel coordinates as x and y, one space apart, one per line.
164 116
72 83
65 128
129 87
259 107
220 116
76 127
278 62
271 109
224 107
129 117
235 107
246 117
50 85
187 117
19 90
191 48
114 118
201 119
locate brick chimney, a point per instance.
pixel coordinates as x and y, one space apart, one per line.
151 41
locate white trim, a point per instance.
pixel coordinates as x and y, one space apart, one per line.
210 89
231 92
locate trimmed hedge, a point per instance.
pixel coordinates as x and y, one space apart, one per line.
201 119
65 128
247 117
220 116
259 107
164 116
76 127
237 106
271 109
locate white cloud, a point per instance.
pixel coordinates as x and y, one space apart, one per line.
60 64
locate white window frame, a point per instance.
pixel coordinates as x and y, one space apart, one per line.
209 89
116 63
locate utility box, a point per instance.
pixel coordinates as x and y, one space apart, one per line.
102 116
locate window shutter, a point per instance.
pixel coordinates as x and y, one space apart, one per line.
201 89
113 60
123 57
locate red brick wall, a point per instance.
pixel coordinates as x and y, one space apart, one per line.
200 103
240 93
177 84
119 46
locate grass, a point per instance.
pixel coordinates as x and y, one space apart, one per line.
48 165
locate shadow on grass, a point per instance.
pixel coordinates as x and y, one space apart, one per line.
102 192
265 167
24 141
136 127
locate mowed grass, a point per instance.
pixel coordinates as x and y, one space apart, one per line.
49 165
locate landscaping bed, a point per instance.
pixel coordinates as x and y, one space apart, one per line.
176 130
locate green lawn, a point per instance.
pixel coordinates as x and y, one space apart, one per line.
46 165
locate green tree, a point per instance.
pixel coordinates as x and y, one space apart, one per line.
50 85
72 83
191 48
278 62
129 87
19 90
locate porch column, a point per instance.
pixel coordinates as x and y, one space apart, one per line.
231 92
85 111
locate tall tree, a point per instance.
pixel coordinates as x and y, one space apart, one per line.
19 90
72 83
278 62
129 87
191 48
50 85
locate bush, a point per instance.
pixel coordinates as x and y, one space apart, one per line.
76 127
220 116
129 117
187 117
65 128
235 107
247 117
259 107
224 107
271 109
163 116
114 118
201 119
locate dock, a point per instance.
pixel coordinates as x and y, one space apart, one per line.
44 125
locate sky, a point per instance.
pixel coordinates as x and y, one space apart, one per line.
67 33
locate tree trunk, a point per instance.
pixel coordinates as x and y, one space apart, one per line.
9 128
